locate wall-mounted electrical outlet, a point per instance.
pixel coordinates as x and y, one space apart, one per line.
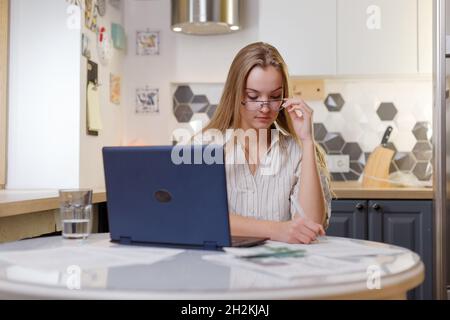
338 163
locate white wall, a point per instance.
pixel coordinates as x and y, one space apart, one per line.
44 113
48 144
183 58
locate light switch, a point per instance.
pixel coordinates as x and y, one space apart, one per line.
338 163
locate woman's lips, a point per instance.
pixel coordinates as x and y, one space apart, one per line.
263 118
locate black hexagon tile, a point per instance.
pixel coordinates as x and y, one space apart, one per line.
356 171
337 176
199 103
422 131
334 142
183 94
334 102
319 131
423 151
211 110
405 161
393 167
387 111
423 170
183 113
323 147
353 150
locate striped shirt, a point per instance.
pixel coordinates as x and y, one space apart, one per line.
273 191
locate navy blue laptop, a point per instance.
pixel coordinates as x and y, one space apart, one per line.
152 200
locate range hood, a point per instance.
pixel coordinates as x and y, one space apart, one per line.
205 17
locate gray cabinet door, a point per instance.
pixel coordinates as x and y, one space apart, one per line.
348 219
406 224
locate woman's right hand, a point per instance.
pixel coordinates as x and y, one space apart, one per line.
298 230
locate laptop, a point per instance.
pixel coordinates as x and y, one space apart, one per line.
163 196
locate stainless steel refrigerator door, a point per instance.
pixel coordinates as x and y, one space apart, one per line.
441 128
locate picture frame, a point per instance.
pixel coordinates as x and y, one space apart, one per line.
147 100
147 42
115 88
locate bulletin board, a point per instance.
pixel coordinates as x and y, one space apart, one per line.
4 42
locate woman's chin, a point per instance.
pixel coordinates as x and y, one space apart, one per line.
264 124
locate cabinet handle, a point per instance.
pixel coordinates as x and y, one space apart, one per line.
359 206
376 206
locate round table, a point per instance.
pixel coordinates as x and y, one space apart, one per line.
35 268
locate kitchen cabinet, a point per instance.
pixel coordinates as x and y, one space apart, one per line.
304 32
377 37
425 36
405 223
348 219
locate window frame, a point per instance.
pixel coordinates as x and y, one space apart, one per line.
4 61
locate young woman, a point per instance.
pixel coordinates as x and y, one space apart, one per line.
291 201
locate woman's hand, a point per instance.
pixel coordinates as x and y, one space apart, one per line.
298 230
302 118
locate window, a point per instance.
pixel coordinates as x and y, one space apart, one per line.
4 40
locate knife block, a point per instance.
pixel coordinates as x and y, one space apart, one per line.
377 167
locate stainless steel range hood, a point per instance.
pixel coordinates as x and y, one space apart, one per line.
205 17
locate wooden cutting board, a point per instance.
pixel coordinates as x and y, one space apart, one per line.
377 166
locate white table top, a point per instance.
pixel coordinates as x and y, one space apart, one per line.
187 275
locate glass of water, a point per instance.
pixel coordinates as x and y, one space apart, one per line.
76 213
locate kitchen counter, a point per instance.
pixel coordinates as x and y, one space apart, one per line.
354 190
14 202
31 213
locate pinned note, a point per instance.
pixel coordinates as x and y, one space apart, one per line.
94 120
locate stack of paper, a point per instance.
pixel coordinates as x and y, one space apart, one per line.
325 257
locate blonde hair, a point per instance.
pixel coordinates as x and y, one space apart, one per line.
227 115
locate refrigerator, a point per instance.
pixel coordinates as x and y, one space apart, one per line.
441 147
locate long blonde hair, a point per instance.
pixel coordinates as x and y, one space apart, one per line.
227 115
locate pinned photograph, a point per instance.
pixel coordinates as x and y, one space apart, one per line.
115 84
118 36
147 43
85 48
147 100
90 15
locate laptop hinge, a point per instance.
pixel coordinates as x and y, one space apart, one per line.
125 240
210 245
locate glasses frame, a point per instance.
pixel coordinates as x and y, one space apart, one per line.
265 102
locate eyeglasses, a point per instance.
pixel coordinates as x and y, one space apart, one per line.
255 105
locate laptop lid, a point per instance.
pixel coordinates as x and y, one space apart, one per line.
153 198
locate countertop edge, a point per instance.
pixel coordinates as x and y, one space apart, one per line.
341 191
13 208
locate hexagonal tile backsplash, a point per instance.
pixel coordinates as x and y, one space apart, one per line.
350 120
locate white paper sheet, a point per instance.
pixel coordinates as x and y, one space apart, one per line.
292 267
327 256
332 248
93 107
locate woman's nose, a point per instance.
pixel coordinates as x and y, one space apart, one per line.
265 108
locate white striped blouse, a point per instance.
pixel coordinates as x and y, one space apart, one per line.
272 192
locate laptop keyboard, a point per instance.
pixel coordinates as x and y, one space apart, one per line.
246 241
